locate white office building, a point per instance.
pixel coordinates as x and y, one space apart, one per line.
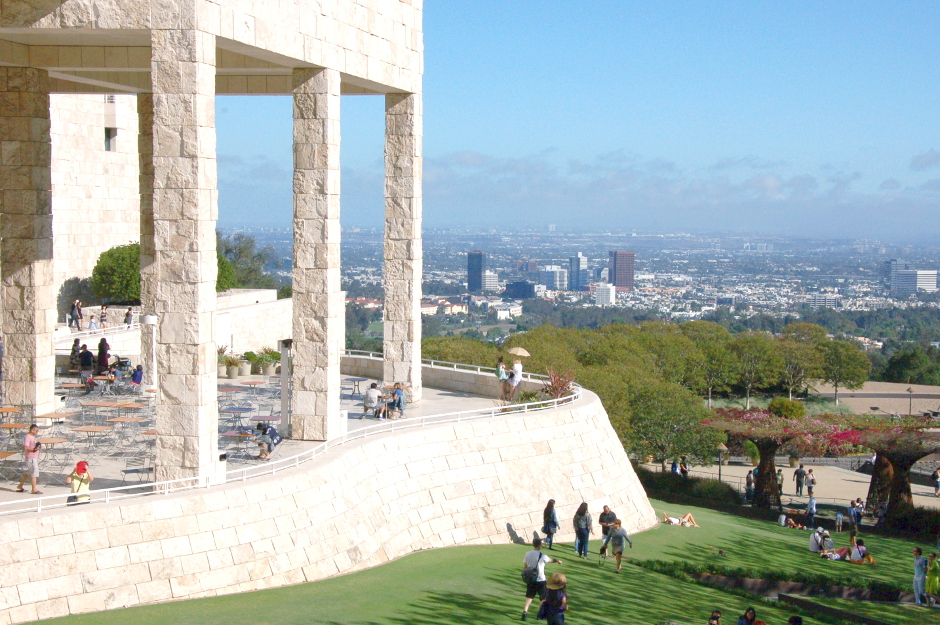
554 277
490 281
605 295
910 281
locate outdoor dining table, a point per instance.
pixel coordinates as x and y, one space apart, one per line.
8 410
92 432
52 442
150 433
356 382
71 386
253 385
266 418
241 439
237 412
3 456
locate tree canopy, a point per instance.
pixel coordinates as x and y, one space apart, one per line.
116 276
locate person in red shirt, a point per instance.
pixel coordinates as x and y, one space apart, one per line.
31 451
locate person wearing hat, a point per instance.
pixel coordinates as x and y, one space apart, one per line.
555 604
537 560
80 480
816 541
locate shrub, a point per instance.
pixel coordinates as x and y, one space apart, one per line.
916 524
705 490
116 276
783 407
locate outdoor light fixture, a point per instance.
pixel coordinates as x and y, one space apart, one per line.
910 401
720 449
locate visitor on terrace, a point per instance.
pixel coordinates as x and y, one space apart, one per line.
515 378
502 376
686 520
372 402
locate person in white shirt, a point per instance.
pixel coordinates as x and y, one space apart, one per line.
515 378
537 560
372 401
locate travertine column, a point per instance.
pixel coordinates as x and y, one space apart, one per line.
28 297
148 269
185 211
403 254
319 304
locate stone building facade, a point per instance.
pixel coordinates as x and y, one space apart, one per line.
172 57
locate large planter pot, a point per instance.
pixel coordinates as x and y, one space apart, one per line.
244 368
233 372
793 462
269 369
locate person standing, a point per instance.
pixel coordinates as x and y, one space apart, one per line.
798 476
606 518
515 378
79 480
556 600
583 528
31 451
935 476
104 357
103 316
618 541
920 576
749 486
80 317
536 560
502 378
129 317
550 523
780 480
684 468
73 356
810 482
73 315
92 324
811 512
932 585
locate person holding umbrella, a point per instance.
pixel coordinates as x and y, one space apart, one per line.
515 376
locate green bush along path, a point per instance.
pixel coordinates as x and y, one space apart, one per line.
482 584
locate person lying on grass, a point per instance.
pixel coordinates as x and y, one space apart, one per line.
686 520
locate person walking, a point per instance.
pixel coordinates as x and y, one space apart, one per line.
606 519
31 450
618 541
550 523
73 315
811 512
810 482
583 528
798 476
129 317
78 310
533 567
556 600
103 316
920 576
935 476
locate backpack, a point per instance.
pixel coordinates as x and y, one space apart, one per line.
531 574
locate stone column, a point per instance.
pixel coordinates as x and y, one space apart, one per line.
148 269
26 285
319 303
403 255
185 210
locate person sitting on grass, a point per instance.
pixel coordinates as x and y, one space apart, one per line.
842 553
793 525
860 554
715 618
748 618
686 520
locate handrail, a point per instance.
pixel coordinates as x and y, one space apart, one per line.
239 475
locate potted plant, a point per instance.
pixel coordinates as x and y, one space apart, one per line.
232 363
270 359
244 366
221 358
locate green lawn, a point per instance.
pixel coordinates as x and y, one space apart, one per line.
481 585
901 614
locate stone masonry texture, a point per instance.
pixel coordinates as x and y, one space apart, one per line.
403 255
476 482
318 299
185 212
26 282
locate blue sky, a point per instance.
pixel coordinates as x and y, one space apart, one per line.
777 117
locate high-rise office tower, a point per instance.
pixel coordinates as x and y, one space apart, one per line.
577 272
621 270
476 265
605 295
896 265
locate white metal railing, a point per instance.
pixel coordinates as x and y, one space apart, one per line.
85 334
108 495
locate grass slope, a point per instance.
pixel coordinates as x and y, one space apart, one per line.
482 584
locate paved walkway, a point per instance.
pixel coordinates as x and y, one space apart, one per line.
106 468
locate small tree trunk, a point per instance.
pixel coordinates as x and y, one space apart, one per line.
747 397
766 489
790 393
836 387
900 499
882 475
709 397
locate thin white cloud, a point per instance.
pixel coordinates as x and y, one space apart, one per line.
927 160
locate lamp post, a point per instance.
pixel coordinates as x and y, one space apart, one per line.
910 401
150 320
720 449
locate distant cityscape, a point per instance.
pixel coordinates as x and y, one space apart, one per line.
679 275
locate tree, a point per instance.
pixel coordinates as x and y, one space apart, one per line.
665 421
800 362
843 365
768 432
718 367
116 276
758 360
226 279
913 365
802 332
248 263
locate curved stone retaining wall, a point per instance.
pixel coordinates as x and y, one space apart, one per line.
360 505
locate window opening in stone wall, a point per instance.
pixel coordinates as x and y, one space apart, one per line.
110 139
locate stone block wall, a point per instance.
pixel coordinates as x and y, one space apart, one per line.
95 193
476 482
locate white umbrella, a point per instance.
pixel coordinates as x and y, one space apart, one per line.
518 351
